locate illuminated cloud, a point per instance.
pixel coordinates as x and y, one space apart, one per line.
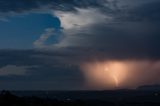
81 18
40 43
121 74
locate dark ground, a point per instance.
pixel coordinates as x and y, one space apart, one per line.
80 98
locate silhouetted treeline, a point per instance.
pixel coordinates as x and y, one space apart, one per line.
8 99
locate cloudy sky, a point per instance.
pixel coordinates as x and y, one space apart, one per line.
65 44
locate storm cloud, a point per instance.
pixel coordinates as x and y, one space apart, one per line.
101 30
40 70
130 32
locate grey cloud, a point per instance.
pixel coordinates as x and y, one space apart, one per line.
131 36
12 70
25 5
38 70
128 40
32 57
144 12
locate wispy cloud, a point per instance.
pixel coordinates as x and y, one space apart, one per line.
40 43
13 70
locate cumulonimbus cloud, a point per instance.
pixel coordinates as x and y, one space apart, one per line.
100 30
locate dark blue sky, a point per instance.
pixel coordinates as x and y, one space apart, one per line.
20 31
45 43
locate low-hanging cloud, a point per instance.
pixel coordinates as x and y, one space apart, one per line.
13 70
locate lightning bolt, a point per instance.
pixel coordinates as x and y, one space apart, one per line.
115 80
114 77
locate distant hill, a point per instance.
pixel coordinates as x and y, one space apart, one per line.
149 87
